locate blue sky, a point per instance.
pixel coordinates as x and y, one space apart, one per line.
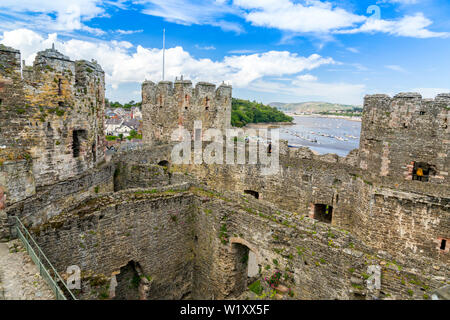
269 50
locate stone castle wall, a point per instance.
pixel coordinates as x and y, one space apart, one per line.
184 231
188 242
167 105
105 233
54 111
405 220
402 219
406 129
46 202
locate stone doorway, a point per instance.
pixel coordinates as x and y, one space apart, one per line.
128 282
246 267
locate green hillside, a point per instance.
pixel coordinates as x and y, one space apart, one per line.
244 111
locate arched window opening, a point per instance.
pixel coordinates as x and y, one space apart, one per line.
163 163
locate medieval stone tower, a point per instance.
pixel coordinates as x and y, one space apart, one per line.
166 106
406 137
51 113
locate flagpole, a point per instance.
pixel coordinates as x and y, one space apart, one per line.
164 52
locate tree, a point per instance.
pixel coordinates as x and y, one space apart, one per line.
244 111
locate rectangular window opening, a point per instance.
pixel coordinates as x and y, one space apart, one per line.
77 137
323 212
59 87
422 171
443 244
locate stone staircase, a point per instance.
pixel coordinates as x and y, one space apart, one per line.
19 276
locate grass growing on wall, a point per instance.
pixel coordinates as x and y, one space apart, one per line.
256 287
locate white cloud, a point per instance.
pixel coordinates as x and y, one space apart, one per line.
54 15
302 90
324 18
126 32
395 68
354 50
312 16
402 1
193 12
207 48
307 77
123 63
29 42
430 93
241 51
320 18
408 26
247 68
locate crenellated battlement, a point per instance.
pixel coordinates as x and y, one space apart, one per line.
413 99
51 58
167 105
47 63
9 62
88 66
403 134
171 90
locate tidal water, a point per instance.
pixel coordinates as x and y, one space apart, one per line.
324 135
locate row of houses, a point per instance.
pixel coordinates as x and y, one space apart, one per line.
125 114
121 121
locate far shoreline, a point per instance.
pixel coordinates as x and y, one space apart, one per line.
273 125
316 115
267 125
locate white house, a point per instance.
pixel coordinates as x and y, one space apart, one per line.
123 129
111 126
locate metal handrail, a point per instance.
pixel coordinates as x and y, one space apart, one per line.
52 281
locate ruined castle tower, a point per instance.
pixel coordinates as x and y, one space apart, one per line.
406 137
51 113
167 105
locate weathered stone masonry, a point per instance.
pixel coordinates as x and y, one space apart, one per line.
53 111
169 105
167 231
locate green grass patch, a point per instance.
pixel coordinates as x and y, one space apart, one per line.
256 287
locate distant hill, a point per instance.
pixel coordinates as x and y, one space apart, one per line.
314 107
